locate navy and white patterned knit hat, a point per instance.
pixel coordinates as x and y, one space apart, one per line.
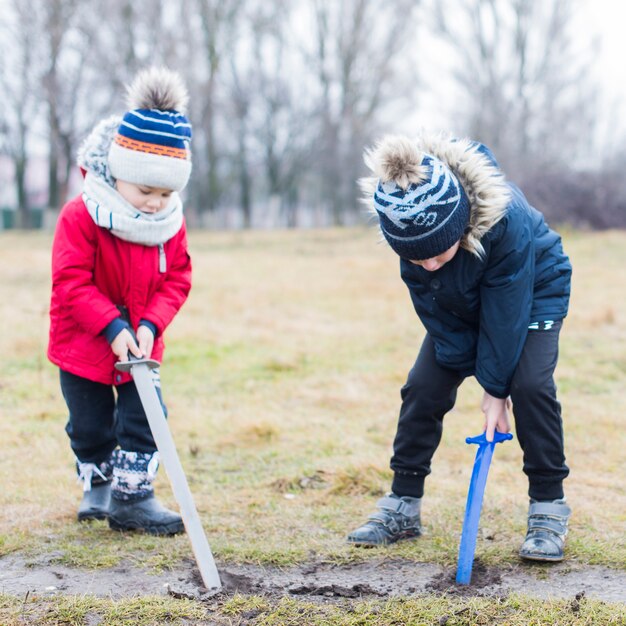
422 208
152 144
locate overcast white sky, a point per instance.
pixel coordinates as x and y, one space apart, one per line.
608 19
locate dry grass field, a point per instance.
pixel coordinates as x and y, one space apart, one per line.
282 377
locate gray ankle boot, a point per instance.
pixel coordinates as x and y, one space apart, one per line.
397 518
547 529
96 490
133 505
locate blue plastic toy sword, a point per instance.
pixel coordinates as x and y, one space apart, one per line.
475 502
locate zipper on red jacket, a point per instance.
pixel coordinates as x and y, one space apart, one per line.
162 259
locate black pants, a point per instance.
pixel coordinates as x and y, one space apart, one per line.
98 422
430 392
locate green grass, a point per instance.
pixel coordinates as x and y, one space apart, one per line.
78 610
262 611
282 378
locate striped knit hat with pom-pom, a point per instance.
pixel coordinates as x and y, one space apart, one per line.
422 208
152 144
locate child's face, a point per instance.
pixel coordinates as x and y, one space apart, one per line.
430 265
143 198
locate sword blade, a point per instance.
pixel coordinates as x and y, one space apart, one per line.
472 514
169 456
475 494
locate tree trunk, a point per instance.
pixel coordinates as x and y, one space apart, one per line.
23 210
245 184
53 176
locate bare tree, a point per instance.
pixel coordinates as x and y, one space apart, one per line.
356 53
20 80
521 80
284 95
60 82
282 128
217 20
240 98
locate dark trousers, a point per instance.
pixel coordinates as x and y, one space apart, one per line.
99 421
430 392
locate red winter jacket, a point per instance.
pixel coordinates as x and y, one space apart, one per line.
92 272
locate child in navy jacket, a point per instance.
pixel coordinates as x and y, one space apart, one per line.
490 282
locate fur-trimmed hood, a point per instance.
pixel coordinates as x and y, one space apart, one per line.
93 154
398 158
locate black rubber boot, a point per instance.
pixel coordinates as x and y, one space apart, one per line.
95 478
547 529
147 514
398 518
95 502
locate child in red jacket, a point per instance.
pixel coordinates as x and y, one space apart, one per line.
120 268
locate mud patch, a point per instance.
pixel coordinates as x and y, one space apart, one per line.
335 591
484 580
239 583
318 581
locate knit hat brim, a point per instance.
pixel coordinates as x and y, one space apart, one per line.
152 170
432 243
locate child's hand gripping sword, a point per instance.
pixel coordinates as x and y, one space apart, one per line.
140 371
474 503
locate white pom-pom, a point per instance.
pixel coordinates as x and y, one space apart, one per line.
396 158
158 88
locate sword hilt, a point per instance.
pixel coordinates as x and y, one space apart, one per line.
481 439
125 366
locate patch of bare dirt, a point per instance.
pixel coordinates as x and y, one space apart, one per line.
315 580
484 580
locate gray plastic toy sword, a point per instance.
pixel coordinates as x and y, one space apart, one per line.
140 371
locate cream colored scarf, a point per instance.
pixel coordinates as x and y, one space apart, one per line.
110 210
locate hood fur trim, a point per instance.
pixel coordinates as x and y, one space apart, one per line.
481 179
93 154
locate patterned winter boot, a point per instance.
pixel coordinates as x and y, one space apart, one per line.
133 505
96 479
397 518
547 529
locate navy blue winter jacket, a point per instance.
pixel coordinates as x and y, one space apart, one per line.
478 310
